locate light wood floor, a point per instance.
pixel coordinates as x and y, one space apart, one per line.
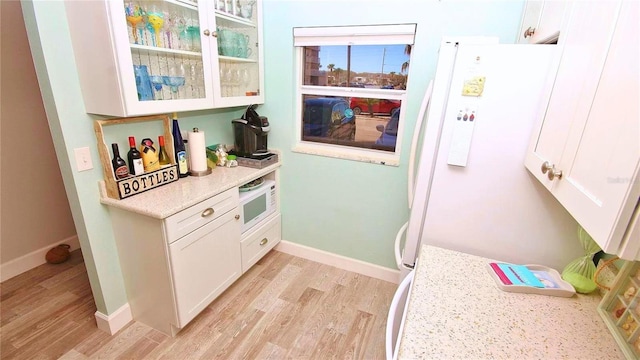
285 307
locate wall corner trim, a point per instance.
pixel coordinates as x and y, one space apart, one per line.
111 324
339 261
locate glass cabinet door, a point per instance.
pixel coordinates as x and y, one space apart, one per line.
166 50
238 60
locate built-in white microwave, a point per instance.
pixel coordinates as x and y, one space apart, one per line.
256 204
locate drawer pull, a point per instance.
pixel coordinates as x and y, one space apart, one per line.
264 241
207 212
237 217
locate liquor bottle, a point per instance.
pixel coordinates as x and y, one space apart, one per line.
134 157
179 148
149 155
119 165
163 157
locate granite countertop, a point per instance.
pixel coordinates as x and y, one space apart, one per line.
456 311
169 199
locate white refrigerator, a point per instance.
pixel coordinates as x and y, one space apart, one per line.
471 191
468 187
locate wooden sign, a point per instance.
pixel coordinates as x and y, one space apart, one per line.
133 185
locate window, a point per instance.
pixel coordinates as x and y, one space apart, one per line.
352 84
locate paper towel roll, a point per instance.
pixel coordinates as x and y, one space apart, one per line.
197 150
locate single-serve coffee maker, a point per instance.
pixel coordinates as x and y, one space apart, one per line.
250 134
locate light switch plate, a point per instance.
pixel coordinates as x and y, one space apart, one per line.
83 159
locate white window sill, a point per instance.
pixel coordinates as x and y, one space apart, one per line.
346 153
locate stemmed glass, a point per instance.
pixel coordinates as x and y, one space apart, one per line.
195 74
228 80
236 76
245 79
178 27
157 81
175 79
155 22
134 16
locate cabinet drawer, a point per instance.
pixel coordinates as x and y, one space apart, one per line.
188 220
257 243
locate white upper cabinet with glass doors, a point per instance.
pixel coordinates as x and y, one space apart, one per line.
149 57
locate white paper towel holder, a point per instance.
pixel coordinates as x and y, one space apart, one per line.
198 173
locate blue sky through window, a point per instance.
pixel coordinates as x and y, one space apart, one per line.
365 58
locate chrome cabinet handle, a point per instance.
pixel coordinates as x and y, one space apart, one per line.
237 217
214 34
207 212
264 241
206 32
553 173
529 32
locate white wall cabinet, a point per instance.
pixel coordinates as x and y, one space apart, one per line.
586 150
150 57
542 21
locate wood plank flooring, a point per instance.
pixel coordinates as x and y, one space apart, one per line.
285 307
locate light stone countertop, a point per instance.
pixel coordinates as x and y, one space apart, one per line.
456 311
169 199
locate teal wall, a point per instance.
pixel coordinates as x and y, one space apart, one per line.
344 207
71 127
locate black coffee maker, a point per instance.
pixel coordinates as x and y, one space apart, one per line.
250 134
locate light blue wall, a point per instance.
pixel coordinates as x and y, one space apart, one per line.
350 208
345 207
72 127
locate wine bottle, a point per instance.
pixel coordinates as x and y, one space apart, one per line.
119 165
134 157
163 157
179 148
149 155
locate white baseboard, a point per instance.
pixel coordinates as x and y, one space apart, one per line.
339 261
111 324
35 258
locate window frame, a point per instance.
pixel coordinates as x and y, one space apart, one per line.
403 34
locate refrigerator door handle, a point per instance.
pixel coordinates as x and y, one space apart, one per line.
396 249
414 142
395 318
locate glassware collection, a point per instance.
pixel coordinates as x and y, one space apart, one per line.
163 25
243 9
166 49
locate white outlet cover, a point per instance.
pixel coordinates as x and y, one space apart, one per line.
83 159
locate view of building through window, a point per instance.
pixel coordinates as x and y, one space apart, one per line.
365 66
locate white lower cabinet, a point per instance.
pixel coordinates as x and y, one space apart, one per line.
257 242
204 263
173 268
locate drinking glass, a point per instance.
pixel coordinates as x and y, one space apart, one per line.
175 79
155 22
143 83
157 81
134 17
246 78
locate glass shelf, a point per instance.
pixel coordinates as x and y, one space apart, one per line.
165 50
